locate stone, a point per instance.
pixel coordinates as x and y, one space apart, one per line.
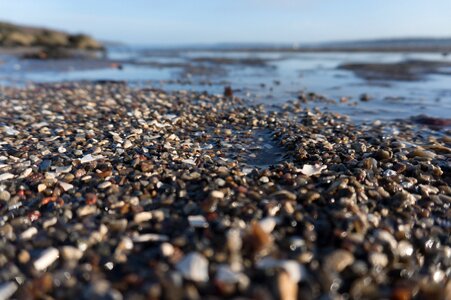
46 259
194 266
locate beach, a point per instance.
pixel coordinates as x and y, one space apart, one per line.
223 171
110 190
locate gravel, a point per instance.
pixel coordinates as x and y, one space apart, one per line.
113 192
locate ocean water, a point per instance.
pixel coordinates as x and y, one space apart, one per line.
271 78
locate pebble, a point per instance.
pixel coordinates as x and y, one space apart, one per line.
27 172
288 289
405 249
167 249
70 253
61 149
127 144
65 169
197 221
217 194
389 173
284 195
338 260
49 222
386 237
225 275
194 266
189 162
5 195
41 187
142 217
66 186
86 210
264 179
6 176
46 259
150 237
90 158
7 289
296 271
29 233
104 185
268 224
310 170
146 193
378 259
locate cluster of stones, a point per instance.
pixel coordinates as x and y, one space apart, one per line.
116 193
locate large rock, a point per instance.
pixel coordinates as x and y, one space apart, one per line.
18 39
52 39
82 41
24 36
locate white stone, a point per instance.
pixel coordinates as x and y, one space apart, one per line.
247 171
87 159
104 185
6 176
10 131
143 217
150 237
28 233
264 179
189 162
217 194
64 169
86 210
61 149
194 266
405 249
311 170
226 275
41 187
71 253
47 258
90 158
197 221
66 186
127 144
268 224
167 249
378 259
7 289
296 271
50 222
26 173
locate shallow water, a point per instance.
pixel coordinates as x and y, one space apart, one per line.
283 78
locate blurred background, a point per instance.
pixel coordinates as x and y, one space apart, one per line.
368 59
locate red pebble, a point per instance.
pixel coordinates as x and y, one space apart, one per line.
91 199
34 215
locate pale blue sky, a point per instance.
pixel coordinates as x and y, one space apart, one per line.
212 21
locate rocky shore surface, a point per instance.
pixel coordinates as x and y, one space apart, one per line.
109 192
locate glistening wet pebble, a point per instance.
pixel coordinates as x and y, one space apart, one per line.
108 192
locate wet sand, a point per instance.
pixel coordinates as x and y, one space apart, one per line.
113 192
409 70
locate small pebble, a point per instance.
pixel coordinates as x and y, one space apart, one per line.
47 258
197 221
194 266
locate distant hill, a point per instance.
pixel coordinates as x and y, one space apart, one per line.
376 45
394 43
12 35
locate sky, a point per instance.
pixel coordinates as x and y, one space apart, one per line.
177 22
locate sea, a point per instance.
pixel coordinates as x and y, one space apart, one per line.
269 77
